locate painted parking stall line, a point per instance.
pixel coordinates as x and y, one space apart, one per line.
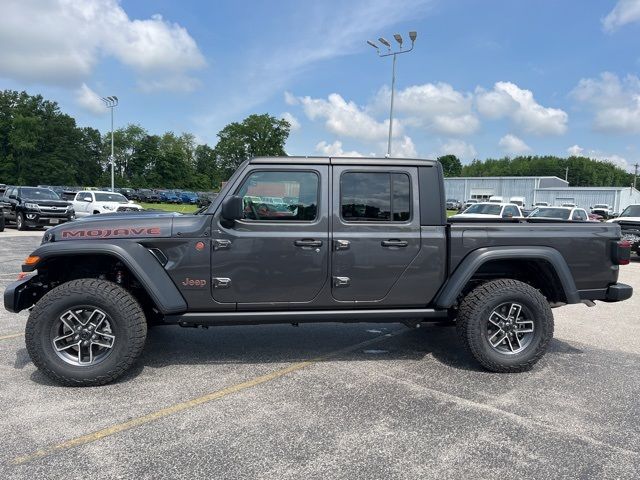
194 402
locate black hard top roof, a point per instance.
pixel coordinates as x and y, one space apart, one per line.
344 161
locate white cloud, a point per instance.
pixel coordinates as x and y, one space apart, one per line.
575 150
625 12
459 148
514 145
507 100
61 41
290 99
438 107
335 150
403 149
89 100
615 102
347 119
293 121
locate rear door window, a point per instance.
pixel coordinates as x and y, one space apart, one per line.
375 197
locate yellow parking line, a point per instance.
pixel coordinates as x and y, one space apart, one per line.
179 407
11 335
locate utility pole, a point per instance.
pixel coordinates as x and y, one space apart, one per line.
412 36
566 174
111 102
635 175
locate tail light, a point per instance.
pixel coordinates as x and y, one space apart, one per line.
622 252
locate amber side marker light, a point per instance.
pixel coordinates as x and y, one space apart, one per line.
31 260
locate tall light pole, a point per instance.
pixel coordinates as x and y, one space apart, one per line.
111 102
383 41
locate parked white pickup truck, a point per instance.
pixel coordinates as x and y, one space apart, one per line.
90 202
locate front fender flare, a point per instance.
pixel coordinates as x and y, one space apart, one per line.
472 262
142 264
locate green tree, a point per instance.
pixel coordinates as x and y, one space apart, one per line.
256 135
451 165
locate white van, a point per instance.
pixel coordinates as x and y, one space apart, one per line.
495 199
517 200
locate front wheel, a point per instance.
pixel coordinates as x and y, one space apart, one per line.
85 332
20 223
506 325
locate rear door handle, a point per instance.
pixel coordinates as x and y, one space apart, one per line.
308 242
394 243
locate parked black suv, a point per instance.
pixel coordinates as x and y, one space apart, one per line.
34 207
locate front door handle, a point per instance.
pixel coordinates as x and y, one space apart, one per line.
394 243
308 243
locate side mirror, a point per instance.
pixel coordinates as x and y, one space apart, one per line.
130 201
232 208
86 199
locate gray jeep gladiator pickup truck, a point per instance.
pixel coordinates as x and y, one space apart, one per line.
293 240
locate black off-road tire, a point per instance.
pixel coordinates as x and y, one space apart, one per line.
20 222
2 221
125 315
474 313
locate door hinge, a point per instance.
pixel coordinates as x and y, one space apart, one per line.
221 244
341 244
341 281
221 282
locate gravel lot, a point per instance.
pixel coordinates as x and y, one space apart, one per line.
356 401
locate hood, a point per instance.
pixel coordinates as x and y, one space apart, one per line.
114 226
624 220
48 203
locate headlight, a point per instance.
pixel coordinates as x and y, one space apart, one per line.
107 207
31 206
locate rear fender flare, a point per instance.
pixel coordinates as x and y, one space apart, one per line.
472 262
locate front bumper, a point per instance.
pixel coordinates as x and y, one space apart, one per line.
34 219
616 292
21 294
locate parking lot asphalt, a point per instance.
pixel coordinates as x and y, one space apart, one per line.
352 401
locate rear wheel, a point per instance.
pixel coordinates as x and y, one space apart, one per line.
2 222
506 325
85 332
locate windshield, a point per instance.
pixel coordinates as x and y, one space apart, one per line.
111 197
32 193
601 206
484 208
631 211
559 213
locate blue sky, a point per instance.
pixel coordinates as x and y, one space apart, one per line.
486 78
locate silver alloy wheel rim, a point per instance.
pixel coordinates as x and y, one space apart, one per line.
509 330
19 222
83 336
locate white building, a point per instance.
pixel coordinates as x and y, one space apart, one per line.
552 190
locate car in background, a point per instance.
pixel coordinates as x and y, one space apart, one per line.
629 221
569 204
127 192
560 213
495 199
189 197
34 207
603 210
205 198
145 195
169 196
467 204
541 204
91 202
490 210
453 204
